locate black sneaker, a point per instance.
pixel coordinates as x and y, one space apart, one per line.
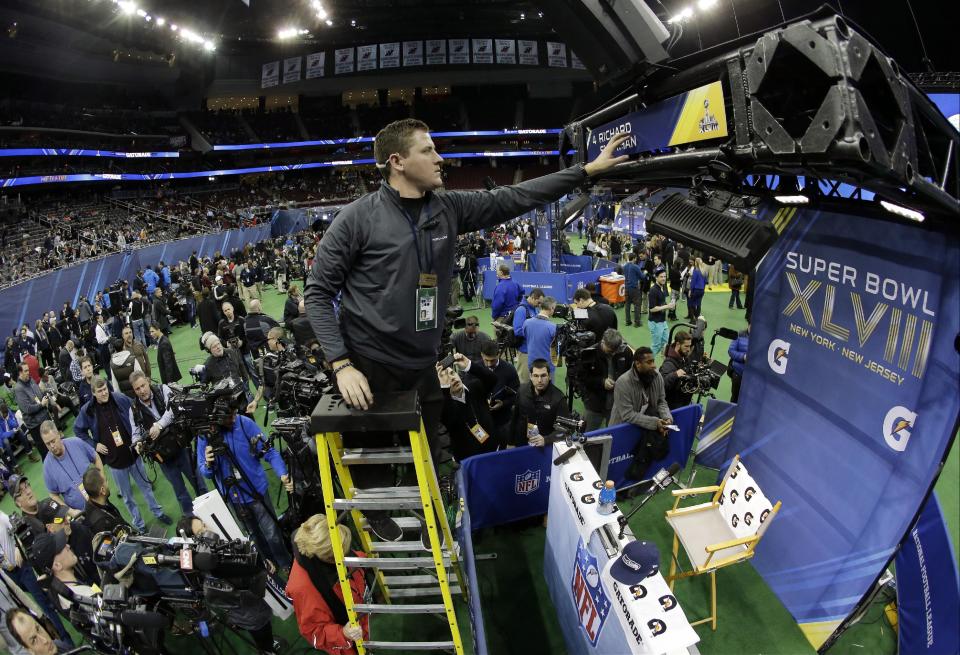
425 537
384 528
166 520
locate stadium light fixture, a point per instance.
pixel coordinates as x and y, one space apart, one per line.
127 7
161 21
683 15
329 23
904 212
792 200
703 5
209 45
140 12
288 33
173 27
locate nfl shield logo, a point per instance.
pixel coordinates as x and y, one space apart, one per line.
527 482
593 606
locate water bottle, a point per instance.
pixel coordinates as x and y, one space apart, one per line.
533 433
608 499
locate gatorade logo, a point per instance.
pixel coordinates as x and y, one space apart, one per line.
898 426
777 355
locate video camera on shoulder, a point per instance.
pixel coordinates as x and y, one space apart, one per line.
201 408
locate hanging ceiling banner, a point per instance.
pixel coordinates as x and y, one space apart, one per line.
506 51
315 64
459 51
291 69
270 74
389 55
528 53
436 52
556 54
483 51
366 58
343 59
413 53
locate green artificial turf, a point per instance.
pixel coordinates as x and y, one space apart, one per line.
519 616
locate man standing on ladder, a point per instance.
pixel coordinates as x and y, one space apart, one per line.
390 256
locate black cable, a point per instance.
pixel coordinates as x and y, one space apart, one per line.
923 45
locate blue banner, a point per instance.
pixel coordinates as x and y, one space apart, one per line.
543 220
576 263
514 484
28 300
928 588
850 397
369 139
715 434
580 280
463 530
81 152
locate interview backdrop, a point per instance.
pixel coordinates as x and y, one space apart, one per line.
850 399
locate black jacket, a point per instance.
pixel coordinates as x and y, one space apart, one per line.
600 317
460 417
302 331
542 410
596 369
370 256
291 310
507 377
167 361
102 518
208 315
671 382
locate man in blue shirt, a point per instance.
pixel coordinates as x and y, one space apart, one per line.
151 279
164 276
236 470
507 295
527 309
65 464
633 279
540 332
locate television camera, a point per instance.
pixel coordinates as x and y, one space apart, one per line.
452 320
572 340
200 408
296 385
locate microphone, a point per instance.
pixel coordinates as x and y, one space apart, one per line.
563 457
727 333
144 620
663 479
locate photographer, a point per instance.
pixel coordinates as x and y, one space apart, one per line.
603 365
466 412
600 317
234 466
231 331
151 417
678 360
638 398
52 555
316 591
224 363
470 339
56 518
100 514
539 403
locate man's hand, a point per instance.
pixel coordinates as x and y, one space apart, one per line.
352 632
154 431
287 483
138 447
605 160
608 383
461 362
208 455
103 450
536 441
354 388
45 401
251 407
495 405
681 373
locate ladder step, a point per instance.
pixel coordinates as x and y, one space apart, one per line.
354 456
393 581
416 592
392 492
397 546
375 608
408 645
381 503
399 563
405 523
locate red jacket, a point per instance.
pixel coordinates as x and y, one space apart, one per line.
314 617
34 366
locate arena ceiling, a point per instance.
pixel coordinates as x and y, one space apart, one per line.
918 34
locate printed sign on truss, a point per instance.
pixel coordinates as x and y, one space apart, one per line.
459 51
270 75
506 51
528 53
389 55
343 61
291 69
413 53
483 51
315 64
575 61
556 54
436 52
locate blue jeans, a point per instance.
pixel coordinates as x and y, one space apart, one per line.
261 524
176 470
139 475
25 577
659 333
140 332
251 368
19 436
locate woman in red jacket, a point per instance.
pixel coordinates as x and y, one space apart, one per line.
315 590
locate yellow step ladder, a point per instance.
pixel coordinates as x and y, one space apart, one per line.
393 412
